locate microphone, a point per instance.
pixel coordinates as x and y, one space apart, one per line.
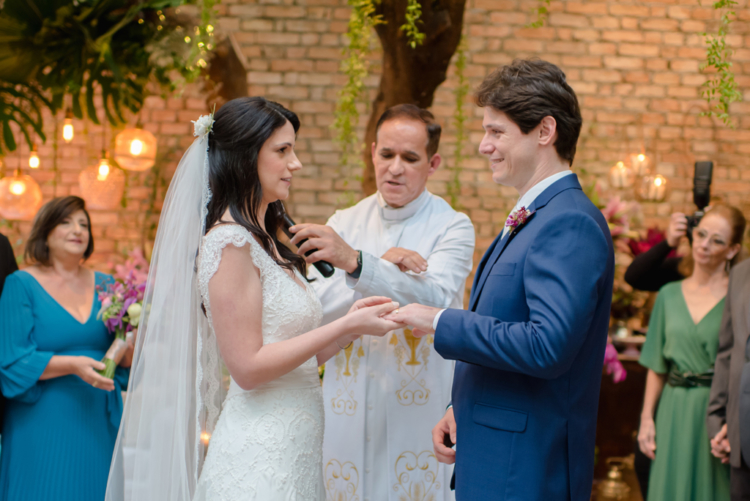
324 267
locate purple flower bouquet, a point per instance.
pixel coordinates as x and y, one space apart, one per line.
122 303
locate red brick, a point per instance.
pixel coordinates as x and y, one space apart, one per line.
620 10
582 61
585 8
640 50
602 48
285 11
622 36
660 24
626 63
684 65
573 21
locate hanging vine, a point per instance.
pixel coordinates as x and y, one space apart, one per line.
720 90
459 122
541 12
413 16
356 68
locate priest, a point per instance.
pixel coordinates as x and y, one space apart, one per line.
382 394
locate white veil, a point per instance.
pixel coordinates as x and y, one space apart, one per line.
174 392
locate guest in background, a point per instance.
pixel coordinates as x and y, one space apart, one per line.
7 266
7 260
651 271
728 420
680 351
654 269
61 416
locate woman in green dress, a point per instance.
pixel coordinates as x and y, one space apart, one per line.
679 352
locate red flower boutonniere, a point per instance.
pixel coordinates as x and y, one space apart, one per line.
518 218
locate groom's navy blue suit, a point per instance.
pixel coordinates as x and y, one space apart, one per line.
530 352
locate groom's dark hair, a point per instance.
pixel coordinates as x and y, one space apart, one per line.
527 90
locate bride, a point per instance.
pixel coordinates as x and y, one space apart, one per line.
242 300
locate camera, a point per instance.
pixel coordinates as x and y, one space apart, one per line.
701 194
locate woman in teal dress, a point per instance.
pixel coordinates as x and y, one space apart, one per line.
680 350
61 416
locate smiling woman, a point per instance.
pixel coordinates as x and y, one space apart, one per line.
61 416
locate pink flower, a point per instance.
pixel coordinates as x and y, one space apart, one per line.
613 365
518 218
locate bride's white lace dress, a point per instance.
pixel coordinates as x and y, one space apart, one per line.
267 445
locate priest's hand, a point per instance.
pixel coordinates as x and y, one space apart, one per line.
420 317
330 246
446 428
405 259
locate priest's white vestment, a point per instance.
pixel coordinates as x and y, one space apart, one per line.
383 396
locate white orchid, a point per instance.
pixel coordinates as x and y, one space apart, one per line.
203 125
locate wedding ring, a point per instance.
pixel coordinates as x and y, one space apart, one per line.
95 383
395 311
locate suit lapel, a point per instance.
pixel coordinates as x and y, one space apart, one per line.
566 183
481 268
493 253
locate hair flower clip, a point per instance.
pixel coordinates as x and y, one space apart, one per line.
203 125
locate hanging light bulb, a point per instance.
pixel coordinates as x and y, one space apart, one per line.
20 197
68 131
102 185
135 149
17 187
34 158
103 170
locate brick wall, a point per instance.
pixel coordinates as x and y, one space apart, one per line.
634 66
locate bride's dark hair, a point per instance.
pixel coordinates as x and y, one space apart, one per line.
240 129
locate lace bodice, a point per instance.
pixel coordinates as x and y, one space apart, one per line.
288 310
268 441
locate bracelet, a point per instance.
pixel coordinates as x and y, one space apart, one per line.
343 347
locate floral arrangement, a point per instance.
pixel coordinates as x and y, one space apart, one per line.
518 218
122 303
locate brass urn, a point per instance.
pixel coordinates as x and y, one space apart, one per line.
614 487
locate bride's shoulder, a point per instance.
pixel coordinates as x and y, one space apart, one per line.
229 239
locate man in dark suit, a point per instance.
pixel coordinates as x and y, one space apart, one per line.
7 260
728 420
530 349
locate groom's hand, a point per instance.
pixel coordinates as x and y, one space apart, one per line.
330 246
446 426
418 316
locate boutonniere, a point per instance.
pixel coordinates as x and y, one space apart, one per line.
518 218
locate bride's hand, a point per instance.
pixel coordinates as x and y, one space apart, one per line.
365 316
369 301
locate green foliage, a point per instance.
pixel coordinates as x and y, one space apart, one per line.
356 67
413 15
459 121
50 50
720 90
541 12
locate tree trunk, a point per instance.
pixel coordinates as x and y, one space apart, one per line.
411 75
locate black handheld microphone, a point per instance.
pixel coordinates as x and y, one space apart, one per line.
324 267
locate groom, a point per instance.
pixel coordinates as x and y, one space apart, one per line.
530 347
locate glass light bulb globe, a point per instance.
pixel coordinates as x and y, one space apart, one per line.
103 170
17 188
34 160
68 131
136 147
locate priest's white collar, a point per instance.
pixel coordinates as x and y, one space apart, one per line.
392 214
